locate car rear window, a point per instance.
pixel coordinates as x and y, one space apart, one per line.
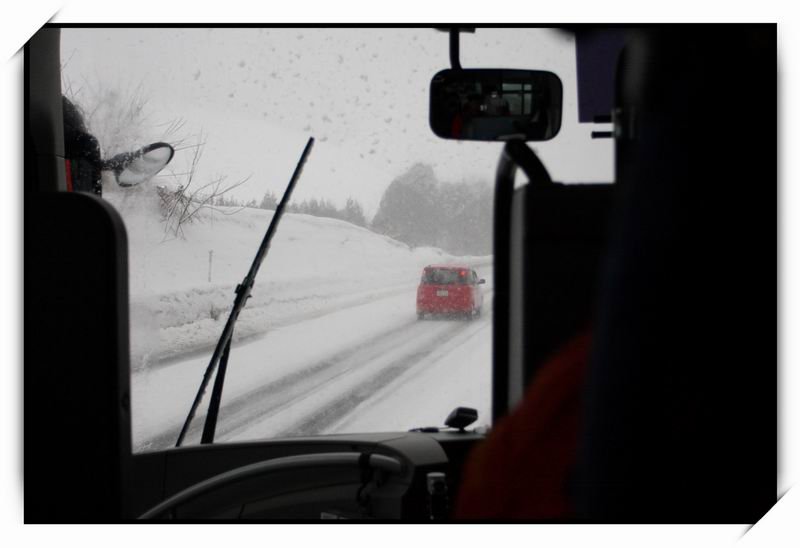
445 276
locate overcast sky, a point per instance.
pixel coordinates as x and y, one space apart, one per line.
258 94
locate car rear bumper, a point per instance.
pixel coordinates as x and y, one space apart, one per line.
444 307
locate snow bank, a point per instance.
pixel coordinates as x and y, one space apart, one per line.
315 266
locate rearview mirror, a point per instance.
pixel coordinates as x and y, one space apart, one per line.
495 104
132 168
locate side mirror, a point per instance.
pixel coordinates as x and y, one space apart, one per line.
481 281
133 168
495 104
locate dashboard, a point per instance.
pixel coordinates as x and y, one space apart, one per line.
410 476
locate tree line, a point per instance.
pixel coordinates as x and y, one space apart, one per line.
420 210
416 209
352 211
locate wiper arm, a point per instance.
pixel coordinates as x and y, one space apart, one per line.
223 348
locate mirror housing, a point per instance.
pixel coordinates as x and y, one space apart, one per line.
133 168
495 104
461 417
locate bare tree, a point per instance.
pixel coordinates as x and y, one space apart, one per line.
182 204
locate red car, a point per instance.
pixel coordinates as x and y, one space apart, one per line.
449 289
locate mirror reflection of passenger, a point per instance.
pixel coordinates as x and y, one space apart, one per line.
453 114
494 103
462 121
537 126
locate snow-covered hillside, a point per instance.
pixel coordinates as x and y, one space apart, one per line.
315 265
329 341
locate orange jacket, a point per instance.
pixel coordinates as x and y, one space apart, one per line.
521 470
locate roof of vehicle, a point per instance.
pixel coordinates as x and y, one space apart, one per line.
449 266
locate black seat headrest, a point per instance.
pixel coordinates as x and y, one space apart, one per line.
561 229
680 418
77 403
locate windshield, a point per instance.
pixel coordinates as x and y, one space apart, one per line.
335 338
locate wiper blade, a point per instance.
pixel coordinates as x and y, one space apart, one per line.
223 348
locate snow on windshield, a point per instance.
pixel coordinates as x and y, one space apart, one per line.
330 341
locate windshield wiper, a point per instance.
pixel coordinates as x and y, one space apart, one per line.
223 348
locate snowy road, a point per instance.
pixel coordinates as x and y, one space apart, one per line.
369 365
329 341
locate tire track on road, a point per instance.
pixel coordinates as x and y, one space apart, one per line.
238 413
364 298
336 411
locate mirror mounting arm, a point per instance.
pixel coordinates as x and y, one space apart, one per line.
455 48
518 153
